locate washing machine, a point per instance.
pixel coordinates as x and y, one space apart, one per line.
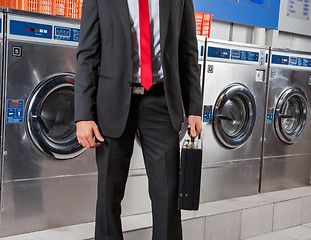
233 116
201 57
136 199
287 145
48 179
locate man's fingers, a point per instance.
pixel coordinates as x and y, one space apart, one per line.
84 143
199 128
97 134
193 132
195 125
92 143
85 134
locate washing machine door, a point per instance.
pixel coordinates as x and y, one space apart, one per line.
50 117
234 115
290 115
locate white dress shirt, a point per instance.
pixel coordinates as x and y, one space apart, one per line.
154 15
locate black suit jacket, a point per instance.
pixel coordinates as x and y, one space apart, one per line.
105 63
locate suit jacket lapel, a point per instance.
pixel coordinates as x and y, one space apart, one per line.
164 15
125 19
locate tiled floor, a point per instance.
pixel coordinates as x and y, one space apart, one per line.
302 232
86 231
282 215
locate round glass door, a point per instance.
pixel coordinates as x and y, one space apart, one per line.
50 117
291 115
234 115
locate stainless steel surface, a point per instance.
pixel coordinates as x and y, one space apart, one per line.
37 204
232 170
229 179
39 191
287 145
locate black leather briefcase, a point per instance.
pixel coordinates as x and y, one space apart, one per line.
190 175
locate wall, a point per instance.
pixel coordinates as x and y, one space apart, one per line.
245 34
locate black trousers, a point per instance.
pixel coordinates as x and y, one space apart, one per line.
160 144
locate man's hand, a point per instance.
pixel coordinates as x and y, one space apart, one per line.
85 134
195 123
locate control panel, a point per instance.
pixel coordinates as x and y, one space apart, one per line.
244 55
291 60
29 29
238 55
66 34
218 52
42 31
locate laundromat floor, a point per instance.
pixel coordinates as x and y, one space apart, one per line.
281 215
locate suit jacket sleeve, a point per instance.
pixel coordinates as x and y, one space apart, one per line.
88 59
188 62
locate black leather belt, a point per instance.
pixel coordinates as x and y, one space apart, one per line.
155 90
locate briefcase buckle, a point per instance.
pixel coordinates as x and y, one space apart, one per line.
138 90
190 145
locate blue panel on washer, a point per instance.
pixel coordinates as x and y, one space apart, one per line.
258 1
244 55
15 111
66 34
279 59
202 51
301 62
293 61
267 57
29 29
218 52
261 13
269 118
207 113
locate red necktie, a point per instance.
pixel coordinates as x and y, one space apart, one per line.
145 45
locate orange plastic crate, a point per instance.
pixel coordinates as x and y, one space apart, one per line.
9 3
67 8
203 23
74 8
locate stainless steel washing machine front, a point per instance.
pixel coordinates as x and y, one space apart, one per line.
287 145
233 115
49 180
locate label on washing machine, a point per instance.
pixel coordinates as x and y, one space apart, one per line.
244 55
207 113
279 59
15 111
66 34
301 62
270 113
291 60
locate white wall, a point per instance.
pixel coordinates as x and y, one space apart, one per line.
243 33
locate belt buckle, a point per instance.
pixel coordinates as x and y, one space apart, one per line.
138 90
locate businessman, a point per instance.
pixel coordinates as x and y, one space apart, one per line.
137 71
